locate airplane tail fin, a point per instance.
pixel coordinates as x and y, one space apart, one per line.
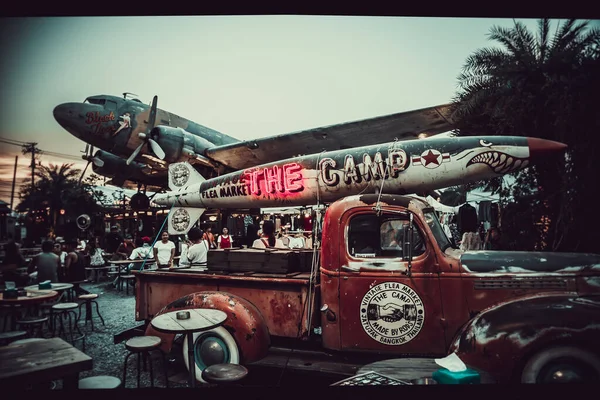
183 174
182 219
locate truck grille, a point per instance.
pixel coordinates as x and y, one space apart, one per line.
520 284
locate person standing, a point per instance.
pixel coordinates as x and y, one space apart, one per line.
224 240
197 253
75 266
164 251
268 238
112 242
210 238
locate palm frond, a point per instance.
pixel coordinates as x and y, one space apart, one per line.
543 30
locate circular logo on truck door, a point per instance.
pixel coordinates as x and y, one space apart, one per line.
392 313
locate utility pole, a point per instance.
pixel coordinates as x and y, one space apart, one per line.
12 192
31 148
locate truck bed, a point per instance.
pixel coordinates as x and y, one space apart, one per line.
281 298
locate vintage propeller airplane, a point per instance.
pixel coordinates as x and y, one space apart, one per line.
137 142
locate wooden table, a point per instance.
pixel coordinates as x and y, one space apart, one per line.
40 362
201 319
31 299
407 369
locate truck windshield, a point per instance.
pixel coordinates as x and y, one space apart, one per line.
437 230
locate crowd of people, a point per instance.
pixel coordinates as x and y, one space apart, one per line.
67 260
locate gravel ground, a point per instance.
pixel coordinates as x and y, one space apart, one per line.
118 310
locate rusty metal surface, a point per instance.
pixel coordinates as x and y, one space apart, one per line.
244 322
500 339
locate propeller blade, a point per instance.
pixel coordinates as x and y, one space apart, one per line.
97 162
157 149
87 146
83 173
152 117
135 153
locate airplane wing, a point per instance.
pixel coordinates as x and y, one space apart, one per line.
404 126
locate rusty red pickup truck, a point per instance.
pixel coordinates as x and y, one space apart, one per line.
386 281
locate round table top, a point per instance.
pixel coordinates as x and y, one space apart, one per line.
33 296
55 286
201 319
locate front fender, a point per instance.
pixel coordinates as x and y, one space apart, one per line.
502 337
244 322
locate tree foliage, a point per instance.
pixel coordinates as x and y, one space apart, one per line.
541 85
56 188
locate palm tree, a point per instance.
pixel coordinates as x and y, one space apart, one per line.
57 187
546 86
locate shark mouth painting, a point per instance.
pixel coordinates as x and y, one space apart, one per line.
500 162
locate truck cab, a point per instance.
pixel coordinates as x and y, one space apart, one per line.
393 284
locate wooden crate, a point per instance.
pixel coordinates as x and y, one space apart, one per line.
259 260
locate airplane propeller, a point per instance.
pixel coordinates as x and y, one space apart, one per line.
89 156
146 137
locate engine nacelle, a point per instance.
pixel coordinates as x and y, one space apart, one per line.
116 167
178 144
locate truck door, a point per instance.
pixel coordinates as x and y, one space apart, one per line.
381 307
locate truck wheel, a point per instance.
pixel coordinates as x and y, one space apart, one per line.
216 346
562 365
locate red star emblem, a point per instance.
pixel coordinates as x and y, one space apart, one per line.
431 158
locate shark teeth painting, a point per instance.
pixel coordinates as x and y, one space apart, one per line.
500 162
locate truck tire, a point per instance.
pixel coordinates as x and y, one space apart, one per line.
564 364
215 346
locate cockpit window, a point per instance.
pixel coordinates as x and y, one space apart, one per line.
92 100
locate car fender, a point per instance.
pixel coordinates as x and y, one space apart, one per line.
500 339
244 322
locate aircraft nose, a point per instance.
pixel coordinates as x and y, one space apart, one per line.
542 147
64 113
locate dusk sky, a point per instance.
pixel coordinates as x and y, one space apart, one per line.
246 76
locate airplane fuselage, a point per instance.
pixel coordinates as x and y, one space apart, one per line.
118 126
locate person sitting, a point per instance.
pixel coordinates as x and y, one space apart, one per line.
164 251
13 260
46 264
197 252
124 250
268 239
143 251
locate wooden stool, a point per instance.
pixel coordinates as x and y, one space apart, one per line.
142 346
7 337
99 382
224 374
63 311
89 299
125 280
30 324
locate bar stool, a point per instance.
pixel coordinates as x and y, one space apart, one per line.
7 337
99 382
30 324
63 311
224 374
142 346
89 299
124 280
